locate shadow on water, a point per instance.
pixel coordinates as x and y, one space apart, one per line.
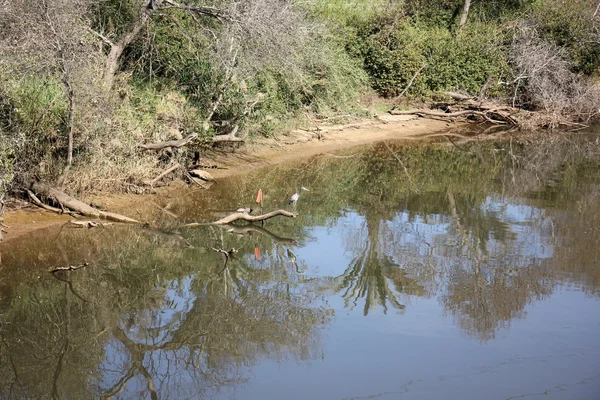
485 229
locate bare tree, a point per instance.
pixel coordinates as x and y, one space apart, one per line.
48 39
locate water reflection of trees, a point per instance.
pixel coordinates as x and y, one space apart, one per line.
149 319
485 273
152 314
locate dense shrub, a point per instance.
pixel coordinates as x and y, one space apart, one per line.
464 60
571 25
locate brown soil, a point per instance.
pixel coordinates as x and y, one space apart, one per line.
256 154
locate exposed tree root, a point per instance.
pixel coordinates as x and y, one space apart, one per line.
474 109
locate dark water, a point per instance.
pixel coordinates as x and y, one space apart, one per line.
416 272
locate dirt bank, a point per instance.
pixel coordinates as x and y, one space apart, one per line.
256 154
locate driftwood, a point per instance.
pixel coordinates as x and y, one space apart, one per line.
230 137
470 108
39 203
69 268
481 112
246 217
72 203
87 224
199 173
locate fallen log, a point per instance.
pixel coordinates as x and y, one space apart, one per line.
170 143
76 205
39 203
246 217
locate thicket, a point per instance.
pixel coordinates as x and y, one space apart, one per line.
535 54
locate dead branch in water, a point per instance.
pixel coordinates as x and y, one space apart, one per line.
88 224
246 217
70 202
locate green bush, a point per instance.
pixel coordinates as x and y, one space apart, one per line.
464 60
570 25
31 121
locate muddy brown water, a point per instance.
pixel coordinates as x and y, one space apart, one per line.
416 272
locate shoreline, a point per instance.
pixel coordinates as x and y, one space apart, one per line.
259 153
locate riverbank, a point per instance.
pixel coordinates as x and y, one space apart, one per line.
255 154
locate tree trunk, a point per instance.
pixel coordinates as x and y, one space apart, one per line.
70 117
465 13
116 49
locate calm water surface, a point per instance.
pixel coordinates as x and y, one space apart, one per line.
416 272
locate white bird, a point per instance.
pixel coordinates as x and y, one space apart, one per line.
296 195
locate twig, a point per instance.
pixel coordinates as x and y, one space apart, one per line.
165 173
412 79
104 38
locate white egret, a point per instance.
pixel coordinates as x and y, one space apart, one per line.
296 196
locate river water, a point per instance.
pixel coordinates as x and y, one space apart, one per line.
411 272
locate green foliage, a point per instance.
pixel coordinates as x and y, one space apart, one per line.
393 53
570 25
347 12
175 57
113 17
32 118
